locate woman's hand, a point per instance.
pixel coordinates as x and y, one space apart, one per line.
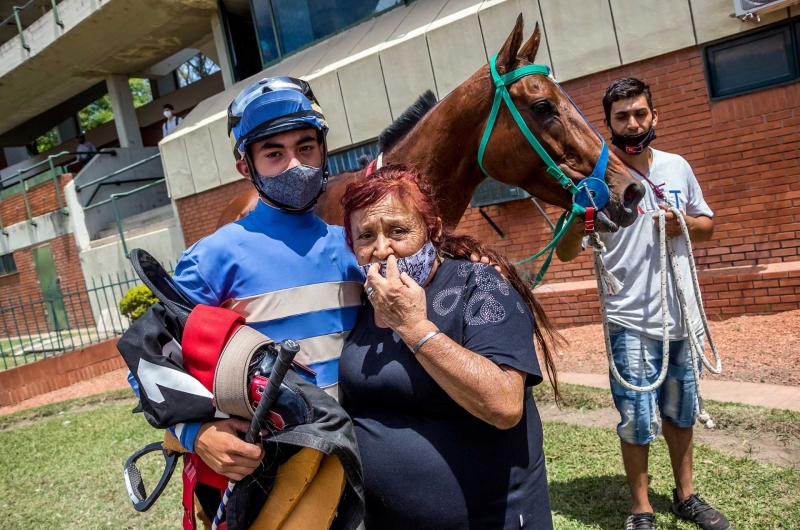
398 301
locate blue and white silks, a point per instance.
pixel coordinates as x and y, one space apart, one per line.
289 274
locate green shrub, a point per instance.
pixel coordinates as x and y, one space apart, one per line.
136 301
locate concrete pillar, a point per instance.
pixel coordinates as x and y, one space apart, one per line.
166 84
68 129
15 155
223 59
124 112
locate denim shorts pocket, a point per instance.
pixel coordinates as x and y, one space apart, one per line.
615 329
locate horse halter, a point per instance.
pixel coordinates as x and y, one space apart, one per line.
592 193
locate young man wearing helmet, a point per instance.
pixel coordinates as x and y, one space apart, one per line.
281 267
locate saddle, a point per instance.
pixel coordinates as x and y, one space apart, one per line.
196 363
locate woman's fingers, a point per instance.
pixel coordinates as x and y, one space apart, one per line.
392 272
408 281
374 278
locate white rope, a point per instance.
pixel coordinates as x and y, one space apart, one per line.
605 287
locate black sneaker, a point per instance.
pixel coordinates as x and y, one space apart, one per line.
698 511
641 521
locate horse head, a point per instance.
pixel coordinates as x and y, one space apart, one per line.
560 128
443 141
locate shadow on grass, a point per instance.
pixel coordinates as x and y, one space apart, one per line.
600 502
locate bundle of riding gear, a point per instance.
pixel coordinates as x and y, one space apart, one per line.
196 363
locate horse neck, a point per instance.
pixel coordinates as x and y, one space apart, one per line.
443 147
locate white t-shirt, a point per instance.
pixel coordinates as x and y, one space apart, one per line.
170 125
633 254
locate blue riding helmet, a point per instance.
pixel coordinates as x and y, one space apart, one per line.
271 106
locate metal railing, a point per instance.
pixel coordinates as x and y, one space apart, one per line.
16 10
102 181
36 328
113 200
50 161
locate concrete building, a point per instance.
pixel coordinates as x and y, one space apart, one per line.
366 61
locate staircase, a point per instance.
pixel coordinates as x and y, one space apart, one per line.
134 225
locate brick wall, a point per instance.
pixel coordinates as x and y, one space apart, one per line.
199 213
22 289
42 199
53 373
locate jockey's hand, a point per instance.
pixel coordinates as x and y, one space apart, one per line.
483 259
673 226
219 445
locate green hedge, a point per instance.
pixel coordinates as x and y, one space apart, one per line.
136 301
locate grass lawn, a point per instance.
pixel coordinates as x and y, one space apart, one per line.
61 467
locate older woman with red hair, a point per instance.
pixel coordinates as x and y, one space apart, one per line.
437 372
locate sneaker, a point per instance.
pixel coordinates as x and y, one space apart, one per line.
640 521
698 511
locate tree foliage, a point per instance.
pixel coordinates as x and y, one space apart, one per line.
195 69
46 141
100 111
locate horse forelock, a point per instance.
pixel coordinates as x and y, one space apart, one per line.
407 120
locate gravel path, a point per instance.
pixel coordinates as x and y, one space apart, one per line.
760 349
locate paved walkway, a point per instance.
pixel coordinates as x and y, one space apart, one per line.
758 394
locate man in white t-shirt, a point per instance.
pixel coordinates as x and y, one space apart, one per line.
634 314
172 122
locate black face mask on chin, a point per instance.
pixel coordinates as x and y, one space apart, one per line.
633 144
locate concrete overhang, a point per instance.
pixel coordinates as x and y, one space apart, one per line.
99 38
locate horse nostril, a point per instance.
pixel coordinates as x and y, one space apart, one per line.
633 194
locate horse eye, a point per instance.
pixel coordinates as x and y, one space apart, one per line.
543 108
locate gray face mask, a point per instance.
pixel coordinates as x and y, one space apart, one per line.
297 187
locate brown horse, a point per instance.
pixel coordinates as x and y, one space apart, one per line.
441 140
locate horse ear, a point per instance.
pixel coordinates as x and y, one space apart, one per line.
529 50
507 57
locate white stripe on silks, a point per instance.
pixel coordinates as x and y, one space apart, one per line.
332 390
297 301
321 348
179 430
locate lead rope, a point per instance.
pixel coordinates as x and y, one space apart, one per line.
694 345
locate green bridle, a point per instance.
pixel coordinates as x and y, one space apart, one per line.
501 94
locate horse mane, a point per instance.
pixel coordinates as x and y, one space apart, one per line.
407 120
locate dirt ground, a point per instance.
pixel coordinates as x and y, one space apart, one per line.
759 349
105 383
762 446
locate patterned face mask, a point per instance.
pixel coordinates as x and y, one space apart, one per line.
417 265
296 188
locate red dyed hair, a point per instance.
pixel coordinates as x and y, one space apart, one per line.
396 181
407 186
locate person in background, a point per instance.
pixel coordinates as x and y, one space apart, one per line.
172 121
86 150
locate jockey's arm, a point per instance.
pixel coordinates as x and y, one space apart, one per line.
217 443
572 243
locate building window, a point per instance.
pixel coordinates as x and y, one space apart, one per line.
492 191
7 265
285 26
348 160
758 60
